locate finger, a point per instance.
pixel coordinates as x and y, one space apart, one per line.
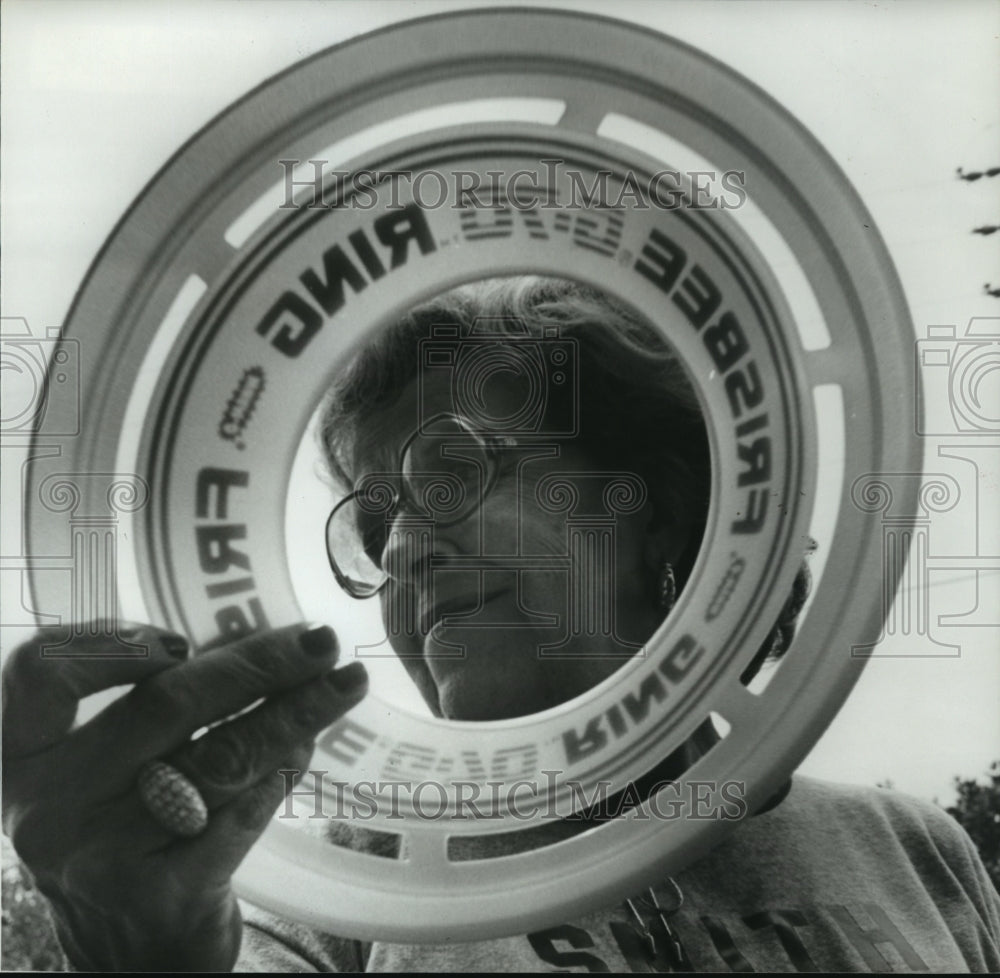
234 756
126 824
46 677
236 826
162 713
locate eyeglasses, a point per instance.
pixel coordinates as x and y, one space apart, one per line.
446 469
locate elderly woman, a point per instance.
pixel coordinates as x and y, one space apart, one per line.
457 438
499 417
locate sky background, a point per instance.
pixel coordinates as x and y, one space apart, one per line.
96 96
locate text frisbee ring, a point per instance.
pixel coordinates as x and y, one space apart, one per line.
783 308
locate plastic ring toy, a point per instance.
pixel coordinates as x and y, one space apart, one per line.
234 286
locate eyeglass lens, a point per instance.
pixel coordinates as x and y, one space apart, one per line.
445 471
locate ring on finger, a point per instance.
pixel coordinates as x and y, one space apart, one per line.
172 799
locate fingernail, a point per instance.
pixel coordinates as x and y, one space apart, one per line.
175 645
349 679
318 640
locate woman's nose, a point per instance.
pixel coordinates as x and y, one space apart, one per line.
410 544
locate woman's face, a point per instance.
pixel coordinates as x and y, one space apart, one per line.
478 641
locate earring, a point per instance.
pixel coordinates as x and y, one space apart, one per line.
668 588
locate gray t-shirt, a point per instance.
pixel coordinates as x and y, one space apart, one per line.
834 878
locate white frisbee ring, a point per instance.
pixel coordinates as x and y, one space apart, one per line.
214 355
